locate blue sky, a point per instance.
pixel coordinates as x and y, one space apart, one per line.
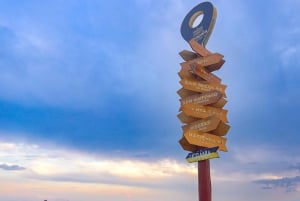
88 100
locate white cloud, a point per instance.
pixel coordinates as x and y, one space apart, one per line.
56 172
47 163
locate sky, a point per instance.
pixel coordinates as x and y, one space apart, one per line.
88 101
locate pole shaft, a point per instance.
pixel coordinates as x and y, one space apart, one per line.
204 182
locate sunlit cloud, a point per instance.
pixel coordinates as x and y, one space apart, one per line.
72 166
56 172
42 163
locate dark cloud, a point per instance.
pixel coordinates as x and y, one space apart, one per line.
288 183
11 167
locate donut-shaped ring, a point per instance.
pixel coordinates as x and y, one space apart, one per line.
201 32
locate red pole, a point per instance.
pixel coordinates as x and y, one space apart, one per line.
204 182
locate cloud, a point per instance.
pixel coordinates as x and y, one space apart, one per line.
117 82
114 171
11 167
48 164
55 63
52 167
290 184
264 166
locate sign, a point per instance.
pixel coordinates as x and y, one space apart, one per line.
215 66
197 67
186 72
188 55
205 61
201 50
205 139
211 124
200 111
202 154
204 52
187 146
221 130
220 103
206 98
185 93
189 71
205 74
203 125
202 86
185 119
201 32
